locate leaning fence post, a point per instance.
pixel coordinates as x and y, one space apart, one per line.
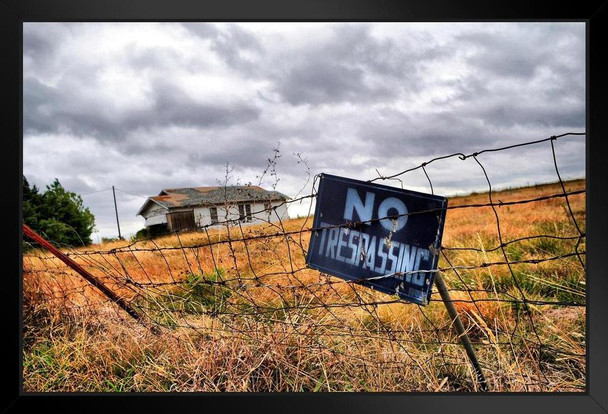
459 328
82 272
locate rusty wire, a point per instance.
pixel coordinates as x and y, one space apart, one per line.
242 300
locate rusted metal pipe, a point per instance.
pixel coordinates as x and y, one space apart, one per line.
82 272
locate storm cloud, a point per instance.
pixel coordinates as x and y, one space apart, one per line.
146 106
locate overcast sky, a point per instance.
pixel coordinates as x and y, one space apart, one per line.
146 106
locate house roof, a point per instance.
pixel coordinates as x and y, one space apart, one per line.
210 196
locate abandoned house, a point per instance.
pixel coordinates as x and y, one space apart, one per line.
189 208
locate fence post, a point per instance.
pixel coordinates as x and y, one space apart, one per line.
82 272
459 328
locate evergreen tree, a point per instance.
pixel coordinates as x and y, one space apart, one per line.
31 204
57 214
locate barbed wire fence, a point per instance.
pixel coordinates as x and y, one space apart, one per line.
521 299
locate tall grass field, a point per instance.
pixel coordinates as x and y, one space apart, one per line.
236 309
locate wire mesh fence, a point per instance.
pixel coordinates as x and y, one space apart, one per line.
513 261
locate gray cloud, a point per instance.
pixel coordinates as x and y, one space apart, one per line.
202 30
229 44
401 58
142 59
150 106
48 109
41 42
343 68
326 82
518 60
249 151
505 57
510 115
436 134
174 107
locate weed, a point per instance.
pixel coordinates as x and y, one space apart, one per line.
248 315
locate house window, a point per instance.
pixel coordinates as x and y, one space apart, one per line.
248 212
213 211
245 212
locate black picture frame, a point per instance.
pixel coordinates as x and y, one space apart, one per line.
14 12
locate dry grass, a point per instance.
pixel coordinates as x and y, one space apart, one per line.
248 315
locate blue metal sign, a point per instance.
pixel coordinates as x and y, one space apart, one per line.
383 237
